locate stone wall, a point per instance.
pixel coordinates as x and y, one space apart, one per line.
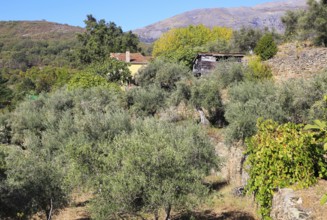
295 60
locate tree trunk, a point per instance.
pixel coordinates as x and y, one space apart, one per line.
168 209
50 211
204 120
156 215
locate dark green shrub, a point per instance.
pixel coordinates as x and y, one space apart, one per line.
146 101
247 102
297 97
228 72
245 39
6 94
147 75
163 74
169 74
294 101
266 47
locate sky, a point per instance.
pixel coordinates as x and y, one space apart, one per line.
128 14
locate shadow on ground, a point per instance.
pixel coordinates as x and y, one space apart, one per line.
209 215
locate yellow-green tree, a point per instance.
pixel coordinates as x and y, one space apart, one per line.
180 44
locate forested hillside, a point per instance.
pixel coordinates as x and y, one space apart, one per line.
25 44
164 144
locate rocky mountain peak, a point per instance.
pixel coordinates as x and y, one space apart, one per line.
259 16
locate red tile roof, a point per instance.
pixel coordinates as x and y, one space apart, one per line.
134 57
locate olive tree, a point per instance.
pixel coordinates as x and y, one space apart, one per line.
158 166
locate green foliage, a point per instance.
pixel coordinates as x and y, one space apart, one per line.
323 199
245 39
319 110
163 74
146 101
86 80
111 69
309 24
291 23
157 166
300 98
228 73
257 70
205 94
32 184
266 47
44 79
219 45
247 102
5 93
314 22
280 156
101 38
37 43
57 138
297 101
180 44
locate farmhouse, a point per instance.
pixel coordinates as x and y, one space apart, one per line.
136 60
204 62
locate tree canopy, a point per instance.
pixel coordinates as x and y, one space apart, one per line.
159 165
101 38
310 24
179 44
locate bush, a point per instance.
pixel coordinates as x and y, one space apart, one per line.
112 70
247 102
89 80
146 101
297 97
280 156
257 70
163 74
227 73
266 47
296 101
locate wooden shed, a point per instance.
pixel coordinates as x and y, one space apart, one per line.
205 62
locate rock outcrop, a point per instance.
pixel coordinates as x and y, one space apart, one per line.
287 206
233 158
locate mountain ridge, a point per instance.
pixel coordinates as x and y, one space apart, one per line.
37 30
259 16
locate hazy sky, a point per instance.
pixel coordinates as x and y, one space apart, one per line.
126 13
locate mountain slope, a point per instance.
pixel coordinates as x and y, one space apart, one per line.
260 16
37 30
